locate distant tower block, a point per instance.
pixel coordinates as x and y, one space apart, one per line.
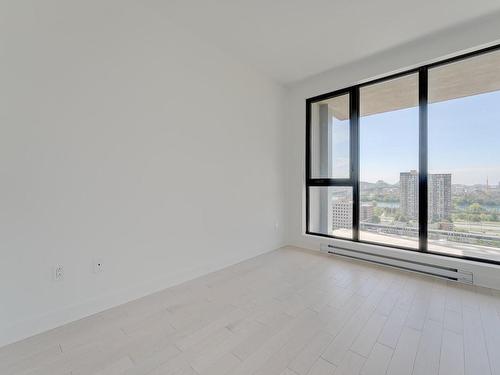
408 200
439 195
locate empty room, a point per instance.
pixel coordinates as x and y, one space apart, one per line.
217 187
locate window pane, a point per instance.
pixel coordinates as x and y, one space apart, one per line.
330 138
389 140
330 210
464 157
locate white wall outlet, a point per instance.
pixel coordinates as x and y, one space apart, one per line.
276 226
58 272
98 266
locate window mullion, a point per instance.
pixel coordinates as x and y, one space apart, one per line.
423 168
354 114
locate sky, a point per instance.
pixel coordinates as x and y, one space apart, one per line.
464 140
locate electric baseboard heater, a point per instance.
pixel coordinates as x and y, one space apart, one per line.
449 273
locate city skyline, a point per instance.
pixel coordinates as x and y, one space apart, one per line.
491 184
440 201
451 128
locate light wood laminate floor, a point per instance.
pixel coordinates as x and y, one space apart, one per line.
292 312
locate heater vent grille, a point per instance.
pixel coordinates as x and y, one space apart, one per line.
449 273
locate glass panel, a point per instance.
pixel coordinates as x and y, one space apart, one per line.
330 210
464 157
389 141
330 126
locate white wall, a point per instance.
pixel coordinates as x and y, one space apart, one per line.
125 138
483 31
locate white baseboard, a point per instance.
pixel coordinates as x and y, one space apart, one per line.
27 328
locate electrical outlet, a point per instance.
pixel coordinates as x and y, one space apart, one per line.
276 226
58 273
98 266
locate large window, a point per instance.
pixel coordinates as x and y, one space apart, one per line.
411 160
388 209
331 210
464 157
330 138
330 207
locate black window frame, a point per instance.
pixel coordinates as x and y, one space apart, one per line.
353 180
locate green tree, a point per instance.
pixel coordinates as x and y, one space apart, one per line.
475 208
475 218
401 218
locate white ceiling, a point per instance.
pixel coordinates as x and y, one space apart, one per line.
292 39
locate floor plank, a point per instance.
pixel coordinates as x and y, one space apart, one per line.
378 361
452 354
429 349
404 356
